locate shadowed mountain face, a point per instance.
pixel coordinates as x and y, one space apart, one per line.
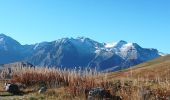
10 50
80 52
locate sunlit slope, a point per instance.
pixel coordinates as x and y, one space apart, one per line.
158 68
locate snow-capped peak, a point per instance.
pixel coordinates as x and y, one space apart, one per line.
127 46
82 39
120 44
115 44
110 45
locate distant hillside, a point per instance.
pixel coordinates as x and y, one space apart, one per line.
158 68
6 70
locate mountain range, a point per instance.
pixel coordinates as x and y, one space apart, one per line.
78 52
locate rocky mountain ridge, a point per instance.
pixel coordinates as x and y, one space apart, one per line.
76 52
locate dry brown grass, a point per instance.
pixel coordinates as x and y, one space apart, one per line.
150 81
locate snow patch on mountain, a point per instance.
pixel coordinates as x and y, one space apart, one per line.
128 50
126 47
110 45
82 39
1 39
97 51
35 47
81 51
162 54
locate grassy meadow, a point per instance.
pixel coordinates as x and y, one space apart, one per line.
147 81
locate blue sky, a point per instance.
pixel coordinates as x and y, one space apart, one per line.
146 22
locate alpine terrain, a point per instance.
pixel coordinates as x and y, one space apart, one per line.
78 52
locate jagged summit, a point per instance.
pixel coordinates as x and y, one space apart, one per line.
75 52
8 41
115 44
2 34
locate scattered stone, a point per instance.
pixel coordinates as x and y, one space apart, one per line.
42 90
12 88
101 93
